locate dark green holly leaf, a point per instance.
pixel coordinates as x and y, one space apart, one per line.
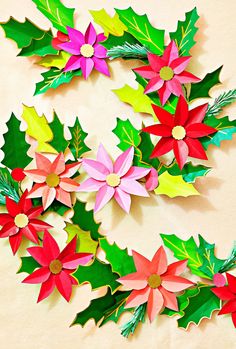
85 220
121 262
54 78
15 147
114 312
142 30
57 13
186 30
28 265
22 33
39 47
202 88
98 274
59 143
146 147
77 143
8 187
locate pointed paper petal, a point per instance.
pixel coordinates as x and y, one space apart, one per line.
39 225
154 85
58 165
229 307
136 172
5 218
176 268
49 195
197 114
38 176
123 199
163 116
181 152
159 262
124 162
12 207
175 87
101 66
69 249
175 283
234 319
101 37
195 148
179 64
151 180
69 185
137 297
75 36
186 77
73 261
37 191
224 293
156 62
15 241
104 158
104 195
181 113
63 196
73 63
42 162
232 282
199 130
134 281
50 247
146 72
38 276
9 229
95 169
86 65
142 264
30 233
170 300
71 48
155 303
90 35
38 254
90 185
63 284
100 51
131 186
159 130
24 203
164 94
171 52
34 212
46 288
163 146
70 170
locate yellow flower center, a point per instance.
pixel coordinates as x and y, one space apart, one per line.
21 220
166 73
113 180
55 266
52 180
154 281
87 50
178 132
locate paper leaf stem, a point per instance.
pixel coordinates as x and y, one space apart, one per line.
8 187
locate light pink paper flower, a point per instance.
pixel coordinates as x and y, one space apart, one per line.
53 180
117 180
155 283
86 51
166 73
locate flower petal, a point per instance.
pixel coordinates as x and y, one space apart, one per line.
38 276
136 172
142 264
199 130
163 146
131 186
30 233
175 283
123 199
156 62
70 170
71 48
104 158
151 179
159 130
155 303
12 207
95 169
232 282
159 262
179 64
170 300
181 152
49 195
38 254
86 65
124 162
175 87
39 225
15 241
37 191
137 297
101 37
38 176
42 162
164 94
104 195
181 113
229 307
154 85
90 35
195 148
50 247
46 288
69 185
69 249
176 268
58 165
63 196
9 229
64 285
101 66
134 281
234 319
146 72
170 53
73 63
75 36
25 203
100 51
163 116
5 218
76 259
223 293
35 212
197 114
186 77
90 185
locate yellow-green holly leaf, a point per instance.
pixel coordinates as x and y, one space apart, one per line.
38 129
173 186
57 61
140 102
110 25
85 244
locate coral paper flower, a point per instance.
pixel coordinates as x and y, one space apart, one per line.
21 220
155 283
228 293
180 132
56 267
86 51
166 73
118 179
53 180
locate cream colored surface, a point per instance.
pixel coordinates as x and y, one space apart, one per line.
27 325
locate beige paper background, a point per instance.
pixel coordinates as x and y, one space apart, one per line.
26 325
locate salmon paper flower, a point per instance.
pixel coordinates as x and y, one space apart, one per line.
155 283
53 180
180 132
166 73
56 267
117 180
228 293
21 220
86 50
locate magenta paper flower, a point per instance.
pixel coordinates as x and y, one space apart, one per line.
117 180
155 283
166 73
53 180
86 51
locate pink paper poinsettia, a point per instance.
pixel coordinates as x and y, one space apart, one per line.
166 73
118 180
155 283
86 51
52 180
56 267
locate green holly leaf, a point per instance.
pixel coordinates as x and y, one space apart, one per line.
121 262
110 25
77 144
202 88
85 244
115 311
28 265
59 143
57 13
8 187
99 308
185 249
142 30
98 274
22 33
114 41
15 147
186 30
85 220
211 264
40 47
225 130
55 78
201 306
146 147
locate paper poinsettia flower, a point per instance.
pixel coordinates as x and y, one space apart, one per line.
53 180
228 293
166 73
155 283
86 51
59 39
56 267
117 180
21 220
180 132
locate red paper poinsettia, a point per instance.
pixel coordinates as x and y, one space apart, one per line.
56 267
59 39
180 132
228 293
21 220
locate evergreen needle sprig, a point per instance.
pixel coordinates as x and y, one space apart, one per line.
7 187
223 100
131 325
230 263
127 50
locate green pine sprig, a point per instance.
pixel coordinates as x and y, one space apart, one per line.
127 50
131 325
223 100
8 187
230 263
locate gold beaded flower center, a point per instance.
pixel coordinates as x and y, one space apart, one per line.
154 281
52 180
55 266
178 132
87 50
21 220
